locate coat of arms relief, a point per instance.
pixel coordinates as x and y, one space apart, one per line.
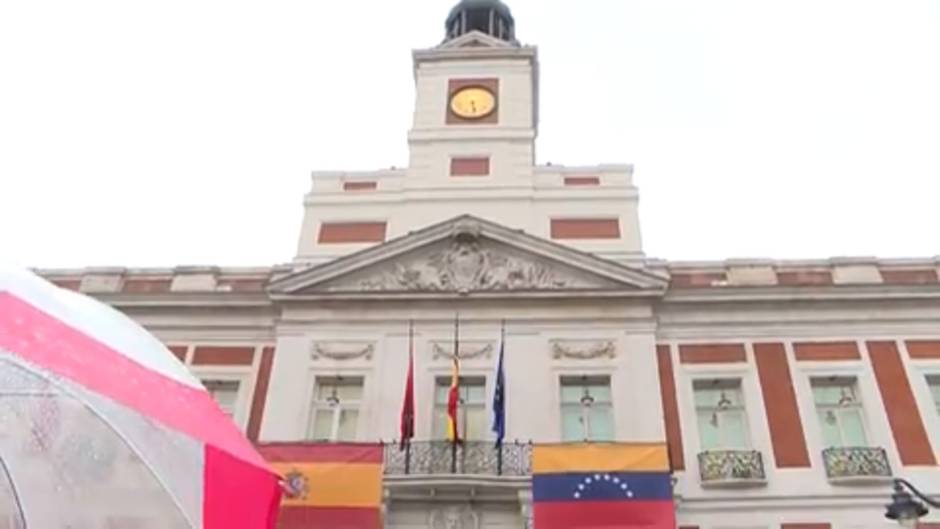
468 262
454 517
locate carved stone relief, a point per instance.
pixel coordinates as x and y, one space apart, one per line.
339 350
468 262
454 517
583 350
468 350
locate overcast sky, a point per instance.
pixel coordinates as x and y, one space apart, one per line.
155 133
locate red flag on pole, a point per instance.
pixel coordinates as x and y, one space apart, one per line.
408 406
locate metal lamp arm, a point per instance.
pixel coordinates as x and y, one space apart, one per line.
898 482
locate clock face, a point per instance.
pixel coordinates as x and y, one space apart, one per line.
473 102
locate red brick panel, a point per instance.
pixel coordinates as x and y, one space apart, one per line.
68 284
179 351
351 232
717 353
223 356
805 526
810 351
783 414
585 229
805 278
582 181
923 349
146 286
696 279
360 186
261 393
476 166
926 276
910 436
667 387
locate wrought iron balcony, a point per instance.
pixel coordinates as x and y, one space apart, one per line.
731 467
856 463
479 458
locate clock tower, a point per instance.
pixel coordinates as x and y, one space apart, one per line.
472 152
476 105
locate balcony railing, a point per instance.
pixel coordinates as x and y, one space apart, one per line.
479 458
856 463
731 467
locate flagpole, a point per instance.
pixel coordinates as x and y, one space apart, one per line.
411 348
499 440
453 444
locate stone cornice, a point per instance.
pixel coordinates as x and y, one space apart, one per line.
872 292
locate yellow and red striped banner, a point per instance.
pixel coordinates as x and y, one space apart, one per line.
336 486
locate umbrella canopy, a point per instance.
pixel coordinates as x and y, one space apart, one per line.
101 427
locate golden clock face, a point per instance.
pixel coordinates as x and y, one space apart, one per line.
473 102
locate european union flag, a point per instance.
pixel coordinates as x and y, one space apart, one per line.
499 396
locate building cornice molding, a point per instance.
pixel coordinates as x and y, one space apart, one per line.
853 293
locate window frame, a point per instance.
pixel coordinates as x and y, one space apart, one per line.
443 381
730 382
858 406
246 382
582 380
316 405
932 379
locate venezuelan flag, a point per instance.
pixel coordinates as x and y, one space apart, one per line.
602 486
335 486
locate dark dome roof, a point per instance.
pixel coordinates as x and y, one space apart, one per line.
489 16
500 8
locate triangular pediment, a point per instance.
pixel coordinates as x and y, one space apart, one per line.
469 256
475 39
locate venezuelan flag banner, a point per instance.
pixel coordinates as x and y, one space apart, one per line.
335 486
602 486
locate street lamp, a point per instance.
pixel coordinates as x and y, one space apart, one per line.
904 508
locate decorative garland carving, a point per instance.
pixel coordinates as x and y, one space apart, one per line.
584 350
485 350
342 351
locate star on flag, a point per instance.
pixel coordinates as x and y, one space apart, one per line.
584 488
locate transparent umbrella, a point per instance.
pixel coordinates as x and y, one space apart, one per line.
102 428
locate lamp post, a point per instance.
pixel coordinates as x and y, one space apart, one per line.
904 508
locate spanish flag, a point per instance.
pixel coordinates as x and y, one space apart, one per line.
602 485
453 396
335 486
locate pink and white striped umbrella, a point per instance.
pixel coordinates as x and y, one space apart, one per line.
101 427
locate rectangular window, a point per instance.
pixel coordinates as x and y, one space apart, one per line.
471 409
586 409
225 394
335 409
933 382
351 232
585 229
476 166
840 412
722 418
